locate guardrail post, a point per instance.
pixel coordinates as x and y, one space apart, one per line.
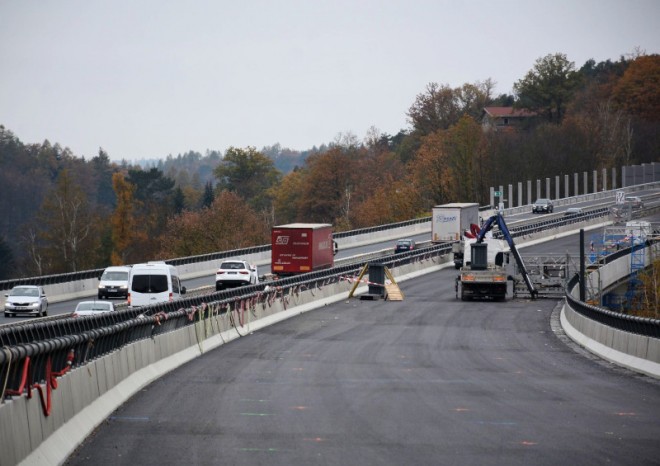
547 188
511 196
538 189
585 182
492 196
567 186
529 191
520 194
576 191
604 179
557 190
613 178
582 268
595 181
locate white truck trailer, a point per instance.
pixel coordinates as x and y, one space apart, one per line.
449 224
450 221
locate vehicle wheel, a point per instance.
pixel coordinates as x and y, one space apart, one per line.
44 313
218 287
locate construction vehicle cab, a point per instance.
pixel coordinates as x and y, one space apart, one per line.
487 278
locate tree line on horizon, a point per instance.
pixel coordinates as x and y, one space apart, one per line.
62 213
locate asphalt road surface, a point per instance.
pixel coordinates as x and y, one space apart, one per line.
429 380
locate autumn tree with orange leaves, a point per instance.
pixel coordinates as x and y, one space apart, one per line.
328 187
638 91
228 223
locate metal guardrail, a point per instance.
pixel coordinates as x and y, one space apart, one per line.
639 325
96 273
30 351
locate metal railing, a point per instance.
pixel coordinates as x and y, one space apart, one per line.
628 323
30 351
96 273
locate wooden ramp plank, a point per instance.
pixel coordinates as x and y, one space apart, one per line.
393 292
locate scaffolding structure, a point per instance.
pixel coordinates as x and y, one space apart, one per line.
549 274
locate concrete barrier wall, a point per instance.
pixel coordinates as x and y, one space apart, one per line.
636 352
621 268
89 394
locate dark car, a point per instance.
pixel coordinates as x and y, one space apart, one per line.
404 245
542 205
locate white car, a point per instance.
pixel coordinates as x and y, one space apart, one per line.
114 282
233 273
92 308
26 299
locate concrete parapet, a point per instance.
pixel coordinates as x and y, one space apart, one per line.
636 352
88 394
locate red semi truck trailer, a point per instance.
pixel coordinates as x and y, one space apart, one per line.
301 248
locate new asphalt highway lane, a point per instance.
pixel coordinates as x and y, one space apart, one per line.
429 380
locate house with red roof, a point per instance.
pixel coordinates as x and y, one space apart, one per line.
505 118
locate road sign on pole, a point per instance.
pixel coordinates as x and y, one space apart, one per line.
620 197
498 193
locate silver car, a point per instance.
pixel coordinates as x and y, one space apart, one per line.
635 202
92 308
26 299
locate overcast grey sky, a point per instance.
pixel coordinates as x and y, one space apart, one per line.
148 78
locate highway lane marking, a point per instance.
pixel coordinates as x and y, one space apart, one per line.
268 450
129 418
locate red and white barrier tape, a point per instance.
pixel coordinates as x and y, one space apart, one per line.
354 279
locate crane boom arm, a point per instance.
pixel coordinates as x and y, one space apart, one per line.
499 220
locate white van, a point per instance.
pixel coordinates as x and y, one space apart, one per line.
152 283
114 282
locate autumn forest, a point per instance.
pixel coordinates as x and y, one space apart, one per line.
64 213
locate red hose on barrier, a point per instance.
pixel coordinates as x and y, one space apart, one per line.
51 381
21 387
